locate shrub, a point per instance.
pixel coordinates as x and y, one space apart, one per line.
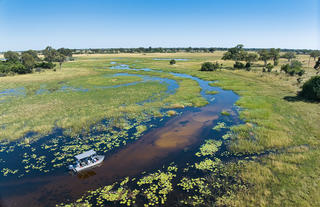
317 65
172 62
285 68
20 69
45 65
295 68
238 65
296 64
14 67
311 89
248 66
269 67
208 66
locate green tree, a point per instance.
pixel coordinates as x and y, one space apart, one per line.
265 55
11 56
172 62
27 60
275 55
238 65
317 65
311 89
269 67
251 57
211 50
296 64
295 68
289 56
189 49
50 54
314 54
208 66
65 51
19 68
236 53
33 53
60 58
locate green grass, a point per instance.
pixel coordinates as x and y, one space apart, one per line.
289 177
77 111
212 92
283 179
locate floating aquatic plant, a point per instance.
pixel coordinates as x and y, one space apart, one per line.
209 148
207 164
225 113
219 126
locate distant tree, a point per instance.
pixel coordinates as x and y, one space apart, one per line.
65 51
314 54
275 55
208 66
294 68
317 65
236 53
172 62
265 55
296 64
11 56
211 50
248 66
251 57
60 58
50 54
33 53
269 67
238 65
289 56
27 60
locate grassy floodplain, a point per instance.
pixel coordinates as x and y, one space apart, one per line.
289 177
282 129
76 110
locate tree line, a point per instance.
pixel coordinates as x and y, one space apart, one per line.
270 57
29 61
169 50
172 50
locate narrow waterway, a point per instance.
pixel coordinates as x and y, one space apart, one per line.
168 141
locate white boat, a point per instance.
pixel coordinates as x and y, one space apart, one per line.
86 160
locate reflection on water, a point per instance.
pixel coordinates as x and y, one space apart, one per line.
170 141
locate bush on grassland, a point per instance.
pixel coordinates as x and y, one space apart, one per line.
311 89
208 66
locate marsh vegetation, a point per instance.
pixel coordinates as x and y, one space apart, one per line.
192 142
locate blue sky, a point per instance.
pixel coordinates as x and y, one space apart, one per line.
34 24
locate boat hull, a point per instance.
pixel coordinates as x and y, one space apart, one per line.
91 165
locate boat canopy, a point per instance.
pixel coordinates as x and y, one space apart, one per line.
85 154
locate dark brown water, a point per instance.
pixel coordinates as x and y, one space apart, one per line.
149 152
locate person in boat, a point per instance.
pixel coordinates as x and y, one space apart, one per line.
86 160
